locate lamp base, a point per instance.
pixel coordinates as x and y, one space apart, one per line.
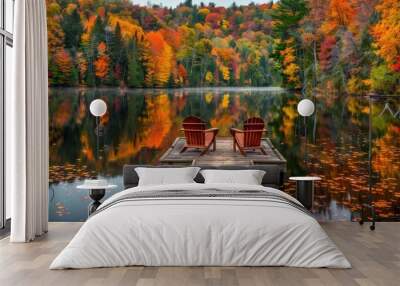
305 193
96 195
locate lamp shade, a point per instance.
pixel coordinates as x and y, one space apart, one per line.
98 107
306 107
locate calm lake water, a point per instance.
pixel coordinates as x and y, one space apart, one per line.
141 124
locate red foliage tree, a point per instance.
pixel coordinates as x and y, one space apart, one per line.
396 65
214 19
325 53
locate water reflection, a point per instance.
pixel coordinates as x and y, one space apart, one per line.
141 124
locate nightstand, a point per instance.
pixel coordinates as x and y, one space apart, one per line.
97 190
305 189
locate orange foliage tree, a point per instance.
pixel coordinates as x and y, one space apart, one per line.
341 13
160 61
103 61
63 71
387 33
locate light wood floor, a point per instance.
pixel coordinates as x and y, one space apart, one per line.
375 257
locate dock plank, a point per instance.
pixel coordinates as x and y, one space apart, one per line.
224 155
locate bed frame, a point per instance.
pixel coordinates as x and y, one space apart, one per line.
274 174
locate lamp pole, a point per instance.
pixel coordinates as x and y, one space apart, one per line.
306 140
97 137
305 108
98 108
370 195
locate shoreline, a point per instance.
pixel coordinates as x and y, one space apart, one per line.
198 89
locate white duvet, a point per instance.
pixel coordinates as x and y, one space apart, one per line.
203 232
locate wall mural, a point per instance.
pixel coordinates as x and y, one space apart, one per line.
336 51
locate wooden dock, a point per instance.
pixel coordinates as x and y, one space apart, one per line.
224 155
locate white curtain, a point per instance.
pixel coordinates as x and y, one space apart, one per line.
27 124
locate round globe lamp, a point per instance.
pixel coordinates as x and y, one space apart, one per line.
98 107
306 107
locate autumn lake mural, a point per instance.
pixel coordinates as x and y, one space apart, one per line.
154 65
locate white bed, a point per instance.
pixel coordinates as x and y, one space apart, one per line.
202 231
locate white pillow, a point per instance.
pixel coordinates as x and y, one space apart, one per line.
248 177
166 176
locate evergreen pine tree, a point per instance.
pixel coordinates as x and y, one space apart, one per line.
119 55
287 16
73 30
135 72
90 79
54 72
98 33
74 80
188 3
171 82
115 46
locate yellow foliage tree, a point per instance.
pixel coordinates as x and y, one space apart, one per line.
88 23
225 72
129 29
209 77
290 68
204 11
291 71
164 66
225 101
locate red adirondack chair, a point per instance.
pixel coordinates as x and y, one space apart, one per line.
197 136
250 137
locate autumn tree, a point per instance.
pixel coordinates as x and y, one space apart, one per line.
312 37
181 75
82 66
202 60
340 15
62 71
55 32
214 19
102 63
384 80
209 78
287 16
386 33
290 68
327 53
160 66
